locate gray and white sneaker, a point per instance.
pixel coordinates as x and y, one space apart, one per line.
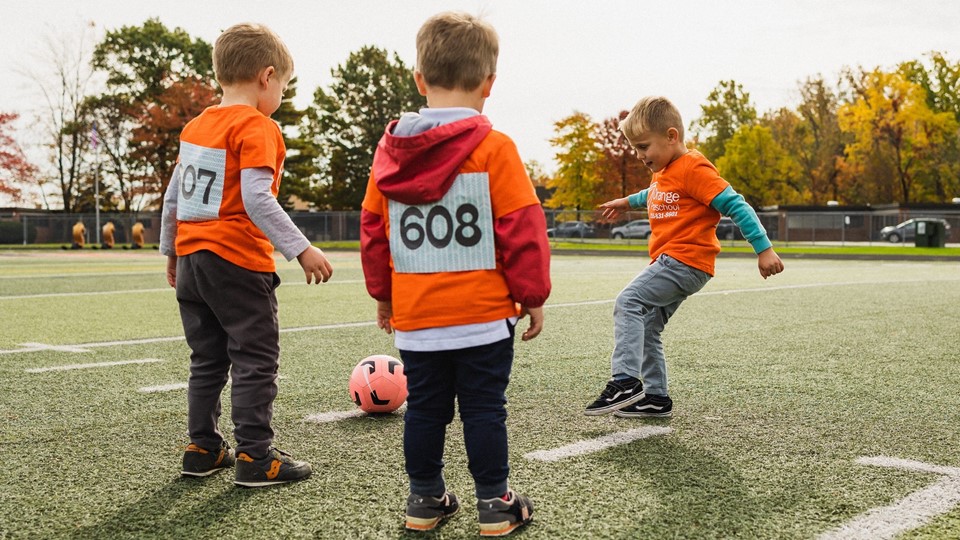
616 395
500 517
424 513
649 407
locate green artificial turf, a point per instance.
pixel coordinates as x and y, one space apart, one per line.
779 385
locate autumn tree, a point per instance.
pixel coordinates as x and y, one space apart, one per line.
152 72
16 171
727 108
577 180
621 172
347 120
892 126
759 168
940 81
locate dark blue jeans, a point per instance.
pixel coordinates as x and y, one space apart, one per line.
477 379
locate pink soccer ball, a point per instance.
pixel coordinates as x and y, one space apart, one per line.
378 384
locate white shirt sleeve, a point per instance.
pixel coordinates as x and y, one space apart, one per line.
168 218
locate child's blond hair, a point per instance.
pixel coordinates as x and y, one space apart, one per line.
652 114
244 50
456 51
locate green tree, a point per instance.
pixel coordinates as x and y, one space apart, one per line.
300 164
759 168
941 82
346 121
577 179
728 107
147 67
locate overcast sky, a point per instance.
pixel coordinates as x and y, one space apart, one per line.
556 56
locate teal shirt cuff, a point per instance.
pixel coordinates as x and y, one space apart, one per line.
638 200
733 205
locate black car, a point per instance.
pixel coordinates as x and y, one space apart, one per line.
571 229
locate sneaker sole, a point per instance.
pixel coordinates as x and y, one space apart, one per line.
599 411
501 529
427 524
202 474
623 414
265 483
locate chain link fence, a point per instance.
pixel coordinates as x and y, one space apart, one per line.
786 227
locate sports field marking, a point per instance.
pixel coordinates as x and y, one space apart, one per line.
600 443
913 511
93 365
85 347
336 416
135 291
162 388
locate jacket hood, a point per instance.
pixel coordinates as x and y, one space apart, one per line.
420 168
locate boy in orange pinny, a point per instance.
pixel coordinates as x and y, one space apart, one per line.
685 200
221 224
452 239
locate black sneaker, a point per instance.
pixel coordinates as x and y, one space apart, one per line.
649 407
424 513
276 468
617 395
499 517
202 462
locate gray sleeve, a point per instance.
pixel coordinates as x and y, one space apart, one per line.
267 214
168 219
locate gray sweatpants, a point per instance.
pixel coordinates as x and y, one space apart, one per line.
230 321
641 312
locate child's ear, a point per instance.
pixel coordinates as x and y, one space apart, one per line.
673 135
421 84
266 74
488 84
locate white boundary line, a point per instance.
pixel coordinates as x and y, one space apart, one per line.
162 388
135 291
83 347
94 365
595 445
336 416
913 511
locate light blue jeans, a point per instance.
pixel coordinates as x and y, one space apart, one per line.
642 310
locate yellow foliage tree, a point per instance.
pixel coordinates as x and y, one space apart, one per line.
577 179
892 127
759 168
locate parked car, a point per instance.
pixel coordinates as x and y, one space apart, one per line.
571 229
906 231
638 228
728 230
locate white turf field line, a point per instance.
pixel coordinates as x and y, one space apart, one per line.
590 446
83 347
137 291
913 511
92 365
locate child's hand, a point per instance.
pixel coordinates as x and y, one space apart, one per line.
172 270
315 265
614 208
384 312
536 322
769 263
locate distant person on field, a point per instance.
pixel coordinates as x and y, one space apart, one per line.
106 235
221 224
466 255
685 200
79 235
137 235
